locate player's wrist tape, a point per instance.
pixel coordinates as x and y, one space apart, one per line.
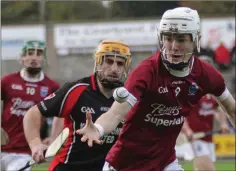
100 129
131 100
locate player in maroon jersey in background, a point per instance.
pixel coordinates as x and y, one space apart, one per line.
201 119
20 91
163 89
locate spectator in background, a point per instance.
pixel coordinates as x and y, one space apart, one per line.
222 57
207 51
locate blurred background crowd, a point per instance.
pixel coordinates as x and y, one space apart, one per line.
72 30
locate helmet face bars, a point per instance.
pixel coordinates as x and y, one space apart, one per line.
33 54
118 53
178 35
33 45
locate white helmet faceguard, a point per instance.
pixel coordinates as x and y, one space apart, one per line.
179 21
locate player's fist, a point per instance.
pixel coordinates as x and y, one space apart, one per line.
89 132
38 152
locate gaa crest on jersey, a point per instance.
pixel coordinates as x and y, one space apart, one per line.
193 89
43 91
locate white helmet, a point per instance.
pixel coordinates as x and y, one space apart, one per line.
181 20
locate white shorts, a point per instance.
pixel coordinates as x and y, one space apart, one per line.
197 149
172 166
14 161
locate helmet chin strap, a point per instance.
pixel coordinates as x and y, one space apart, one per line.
180 73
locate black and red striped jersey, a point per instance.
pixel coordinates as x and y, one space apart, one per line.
72 102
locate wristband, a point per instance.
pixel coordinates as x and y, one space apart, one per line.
131 100
100 129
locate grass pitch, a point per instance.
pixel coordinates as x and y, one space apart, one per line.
220 166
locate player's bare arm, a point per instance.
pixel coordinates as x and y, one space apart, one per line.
187 130
221 117
32 123
57 127
114 116
229 105
108 121
105 124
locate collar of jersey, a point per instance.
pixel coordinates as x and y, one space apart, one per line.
94 83
95 87
23 75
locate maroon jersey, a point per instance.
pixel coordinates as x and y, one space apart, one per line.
202 116
18 96
148 137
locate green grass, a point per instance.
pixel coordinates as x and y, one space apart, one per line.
220 166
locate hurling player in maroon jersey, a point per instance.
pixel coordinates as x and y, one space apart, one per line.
163 89
20 91
201 119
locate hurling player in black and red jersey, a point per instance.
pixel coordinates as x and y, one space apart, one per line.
92 95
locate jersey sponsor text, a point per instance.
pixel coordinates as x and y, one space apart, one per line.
160 109
165 122
20 106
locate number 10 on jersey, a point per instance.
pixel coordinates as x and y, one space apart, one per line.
30 90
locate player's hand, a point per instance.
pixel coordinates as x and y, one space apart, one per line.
189 133
38 152
89 132
224 128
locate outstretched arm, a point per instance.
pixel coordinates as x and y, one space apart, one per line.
107 122
110 120
229 105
